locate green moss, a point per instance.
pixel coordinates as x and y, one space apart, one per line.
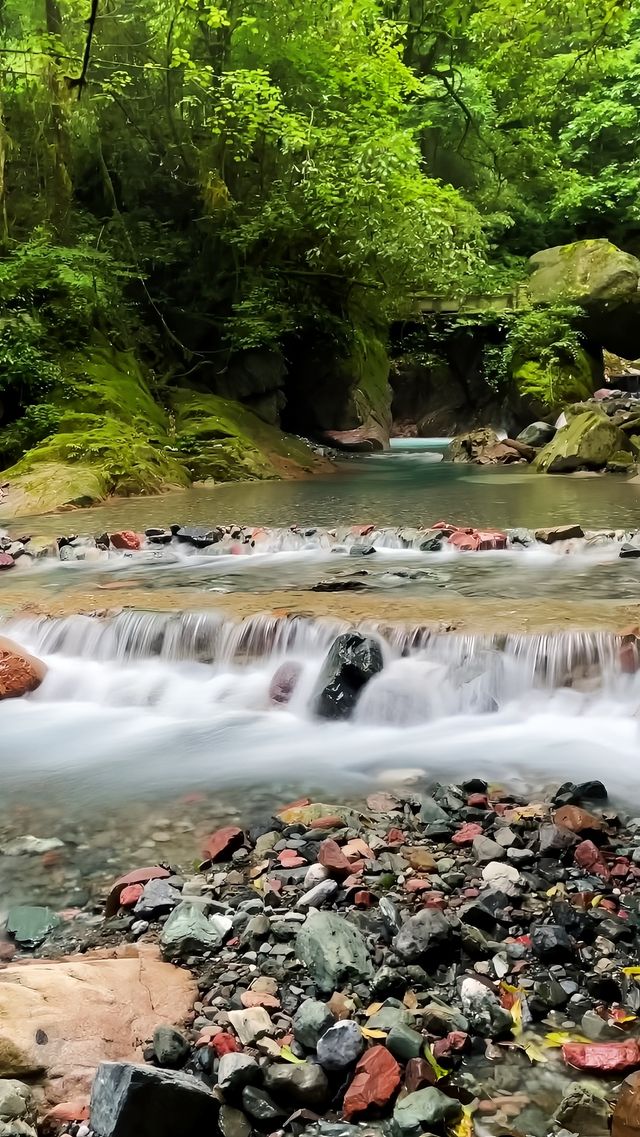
584 272
589 440
550 386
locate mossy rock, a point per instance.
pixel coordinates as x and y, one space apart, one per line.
585 272
620 462
549 387
588 441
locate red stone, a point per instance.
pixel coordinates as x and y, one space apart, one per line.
362 530
7 952
51 859
130 895
259 999
395 837
605 1057
6 561
364 899
445 527
331 822
466 541
376 1079
418 1073
136 876
299 804
478 801
454 1043
126 540
221 844
331 856
417 884
224 1044
289 859
467 833
588 857
577 820
66 1111
491 539
284 681
434 900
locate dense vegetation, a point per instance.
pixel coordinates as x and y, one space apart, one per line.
220 182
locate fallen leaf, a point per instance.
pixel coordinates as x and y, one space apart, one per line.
438 1070
287 1053
373 1009
367 1033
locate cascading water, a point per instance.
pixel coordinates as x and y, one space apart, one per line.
145 703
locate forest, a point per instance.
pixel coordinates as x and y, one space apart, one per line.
213 214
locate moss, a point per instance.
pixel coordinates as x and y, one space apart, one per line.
550 386
584 272
589 440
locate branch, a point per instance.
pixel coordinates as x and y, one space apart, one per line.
81 81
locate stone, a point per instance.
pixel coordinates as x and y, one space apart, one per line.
233 1122
588 441
261 1106
284 682
16 1104
158 898
551 943
505 878
375 1081
626 1113
170 1047
424 1110
482 1008
404 1042
559 533
331 857
578 820
136 876
602 1057
553 840
30 925
589 857
89 1008
237 1071
352 660
390 1014
333 950
126 540
319 895
485 850
423 934
537 434
420 859
189 932
310 1022
138 1101
306 1085
251 1024
31 846
220 845
440 1018
20 672
341 1045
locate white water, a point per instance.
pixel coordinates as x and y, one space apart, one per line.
146 704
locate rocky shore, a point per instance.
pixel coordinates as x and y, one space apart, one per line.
445 960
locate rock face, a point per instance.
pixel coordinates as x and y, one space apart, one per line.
138 1101
588 441
89 1008
600 278
352 660
333 950
20 672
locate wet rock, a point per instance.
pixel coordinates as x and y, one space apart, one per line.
551 944
626 1114
305 1085
333 950
340 1046
537 434
376 1079
30 846
136 876
404 1042
20 672
237 1071
233 1122
261 1106
629 551
423 1110
422 934
30 925
352 660
139 1101
189 932
310 1022
284 681
559 533
170 1047
126 540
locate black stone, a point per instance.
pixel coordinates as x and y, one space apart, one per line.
352 660
551 944
128 1100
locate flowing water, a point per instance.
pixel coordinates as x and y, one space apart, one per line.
139 709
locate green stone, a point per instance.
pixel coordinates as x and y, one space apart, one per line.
404 1042
30 925
333 950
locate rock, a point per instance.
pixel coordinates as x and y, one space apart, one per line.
136 876
482 1008
363 439
504 878
558 533
485 850
340 1045
602 1057
376 1079
30 925
333 950
423 934
126 540
139 1101
626 1114
305 1085
189 932
331 857
261 1106
284 682
629 552
588 441
319 895
553 840
537 434
551 944
221 844
420 859
589 857
578 820
20 672
158 898
391 1014
237 1071
424 1110
31 846
352 660
251 1024
404 1042
89 1009
16 1104
170 1046
310 1022
233 1122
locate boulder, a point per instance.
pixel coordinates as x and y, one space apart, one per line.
20 672
363 439
333 950
588 441
426 932
483 447
352 660
626 1115
284 682
537 434
189 932
138 1101
87 1009
424 1110
305 1085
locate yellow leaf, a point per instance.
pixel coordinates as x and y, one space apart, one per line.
534 1051
410 1000
373 1009
596 901
557 1038
287 1053
373 1033
516 1015
556 890
631 970
465 1126
438 1070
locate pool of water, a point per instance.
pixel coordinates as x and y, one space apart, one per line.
392 488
